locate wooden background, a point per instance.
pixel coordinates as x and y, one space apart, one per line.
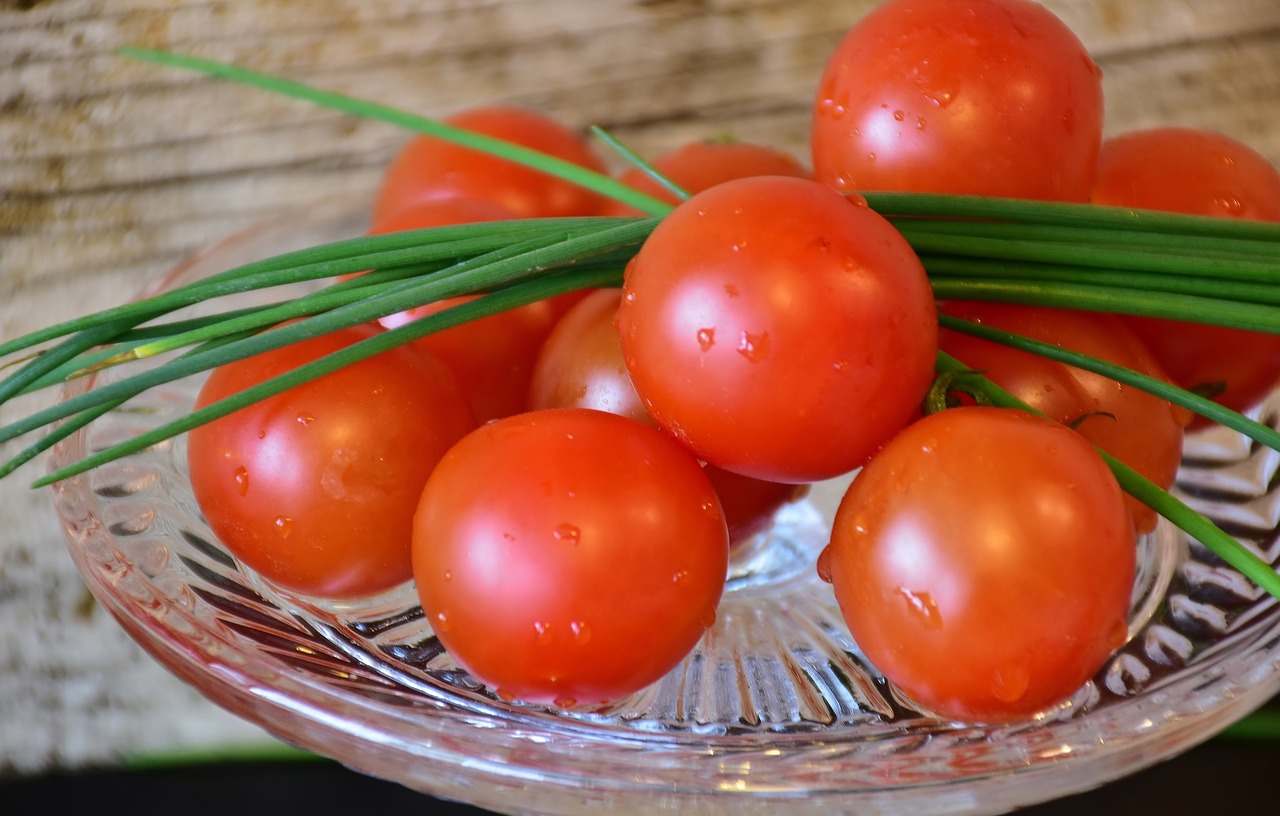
112 171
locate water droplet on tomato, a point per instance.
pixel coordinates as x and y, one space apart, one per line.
581 632
241 477
283 525
706 338
566 532
441 622
824 564
731 290
899 115
923 607
565 702
305 419
921 124
1231 205
1010 683
448 576
542 631
708 617
679 576
871 157
753 346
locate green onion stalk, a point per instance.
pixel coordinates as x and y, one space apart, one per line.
1082 256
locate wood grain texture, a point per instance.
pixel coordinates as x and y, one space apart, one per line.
111 171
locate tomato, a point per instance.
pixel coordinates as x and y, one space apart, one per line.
779 329
698 165
1198 172
984 562
750 504
492 357
987 97
315 488
1143 431
581 366
428 167
569 556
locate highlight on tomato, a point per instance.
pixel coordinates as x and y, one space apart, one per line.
427 167
984 563
1198 172
778 328
988 97
695 166
569 556
315 488
1141 430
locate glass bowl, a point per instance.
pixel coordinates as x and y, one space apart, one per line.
775 711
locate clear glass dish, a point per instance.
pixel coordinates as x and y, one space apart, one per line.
775 712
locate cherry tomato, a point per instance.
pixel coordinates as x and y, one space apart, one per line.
1143 431
581 366
984 562
779 329
315 488
427 167
698 165
569 556
1198 172
492 357
988 97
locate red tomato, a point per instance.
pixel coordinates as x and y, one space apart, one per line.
984 562
315 488
581 366
1142 431
988 97
779 329
492 357
569 556
428 168
699 165
1200 173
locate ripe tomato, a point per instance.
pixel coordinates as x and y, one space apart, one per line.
779 329
427 167
315 488
1143 431
1200 173
581 366
699 165
569 556
984 562
492 357
988 97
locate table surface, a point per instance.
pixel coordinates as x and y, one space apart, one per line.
112 171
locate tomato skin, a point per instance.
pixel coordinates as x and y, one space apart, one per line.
987 97
428 168
492 357
1143 431
1198 172
779 329
695 166
984 563
315 488
569 556
581 365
